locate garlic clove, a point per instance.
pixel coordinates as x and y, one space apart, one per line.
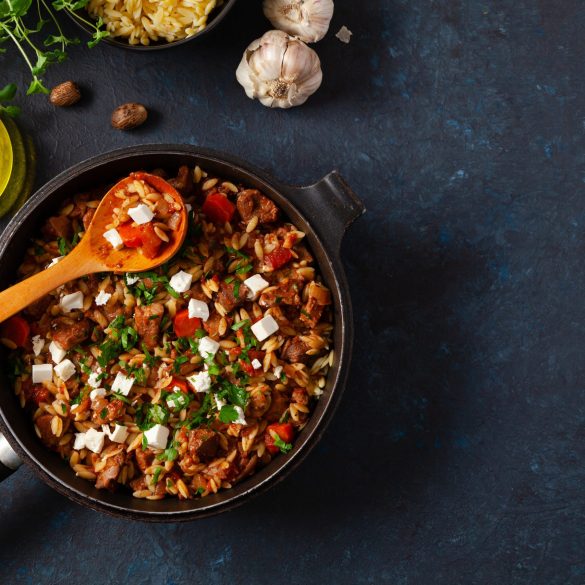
306 19
279 70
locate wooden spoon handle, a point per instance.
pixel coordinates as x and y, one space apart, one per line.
24 293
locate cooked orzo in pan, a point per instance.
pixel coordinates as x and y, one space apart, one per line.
184 380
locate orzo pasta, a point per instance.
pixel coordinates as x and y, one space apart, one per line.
184 380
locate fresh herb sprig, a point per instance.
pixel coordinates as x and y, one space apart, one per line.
39 55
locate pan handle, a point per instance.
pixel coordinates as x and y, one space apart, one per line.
9 460
330 206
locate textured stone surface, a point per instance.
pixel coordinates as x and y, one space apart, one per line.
457 454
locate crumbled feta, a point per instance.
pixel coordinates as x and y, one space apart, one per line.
41 373
132 279
72 301
157 436
102 298
57 352
93 378
256 364
344 34
264 328
278 371
118 435
38 343
122 384
219 402
181 282
141 214
79 441
97 393
198 309
94 440
65 370
201 382
208 347
256 284
241 419
114 238
177 400
54 261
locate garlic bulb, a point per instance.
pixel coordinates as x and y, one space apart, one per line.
306 19
279 70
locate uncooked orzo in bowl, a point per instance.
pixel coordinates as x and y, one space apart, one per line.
185 380
142 22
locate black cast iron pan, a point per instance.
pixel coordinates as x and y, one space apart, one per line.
323 210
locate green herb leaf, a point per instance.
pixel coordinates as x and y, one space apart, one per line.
228 414
240 324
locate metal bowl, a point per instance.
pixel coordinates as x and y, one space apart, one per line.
217 17
323 211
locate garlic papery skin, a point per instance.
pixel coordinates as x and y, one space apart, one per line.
306 19
279 70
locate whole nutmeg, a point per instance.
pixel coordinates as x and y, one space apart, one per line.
65 94
128 116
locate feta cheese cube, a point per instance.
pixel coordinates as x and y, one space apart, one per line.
114 238
79 441
42 373
102 298
97 393
177 400
122 384
132 278
65 370
264 328
241 419
141 214
208 347
201 382
118 435
57 352
256 284
54 261
219 402
72 301
256 364
198 309
157 436
93 378
181 282
278 371
94 440
38 343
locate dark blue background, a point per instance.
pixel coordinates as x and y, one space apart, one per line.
457 455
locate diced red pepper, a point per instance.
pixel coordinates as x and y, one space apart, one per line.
218 208
141 236
181 384
16 329
185 326
277 259
284 430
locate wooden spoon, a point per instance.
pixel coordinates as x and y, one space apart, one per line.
94 253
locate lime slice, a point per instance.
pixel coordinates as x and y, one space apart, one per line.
31 165
16 182
5 157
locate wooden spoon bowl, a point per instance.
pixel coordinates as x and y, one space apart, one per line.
94 254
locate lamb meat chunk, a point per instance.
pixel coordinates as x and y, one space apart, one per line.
211 326
183 182
35 393
68 332
87 217
295 351
147 319
227 298
144 458
58 226
106 412
311 312
286 292
43 423
203 443
300 396
251 202
106 479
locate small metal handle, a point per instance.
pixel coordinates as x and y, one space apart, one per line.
9 460
330 206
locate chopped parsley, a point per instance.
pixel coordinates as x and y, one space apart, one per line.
228 414
179 361
278 442
240 324
63 246
156 475
148 415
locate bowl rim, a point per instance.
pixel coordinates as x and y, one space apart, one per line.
303 446
159 45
